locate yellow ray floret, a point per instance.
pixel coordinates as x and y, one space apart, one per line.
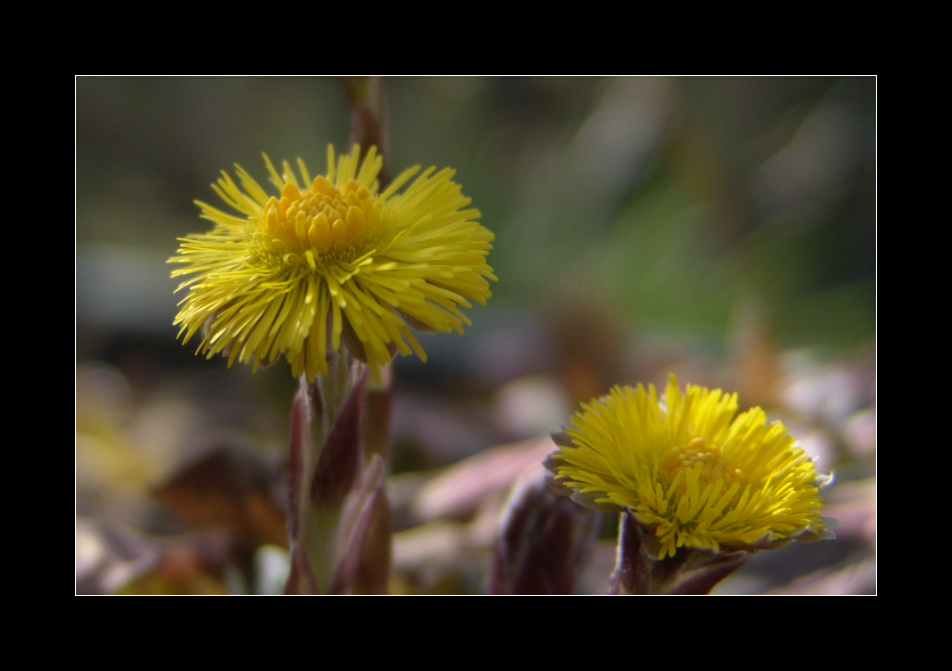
689 468
330 259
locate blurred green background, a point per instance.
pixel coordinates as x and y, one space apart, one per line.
671 198
722 228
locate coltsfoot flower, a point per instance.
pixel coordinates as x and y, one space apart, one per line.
689 470
330 258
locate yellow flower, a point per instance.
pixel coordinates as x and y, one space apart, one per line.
332 258
689 469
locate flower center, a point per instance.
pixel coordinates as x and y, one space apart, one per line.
322 218
687 458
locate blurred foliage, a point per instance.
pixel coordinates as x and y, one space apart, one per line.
674 197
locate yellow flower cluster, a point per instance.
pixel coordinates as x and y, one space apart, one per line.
330 258
689 468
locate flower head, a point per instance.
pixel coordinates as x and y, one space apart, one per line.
330 258
689 468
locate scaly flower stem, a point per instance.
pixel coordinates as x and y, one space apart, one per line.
544 540
339 397
368 115
330 392
325 466
373 573
690 571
